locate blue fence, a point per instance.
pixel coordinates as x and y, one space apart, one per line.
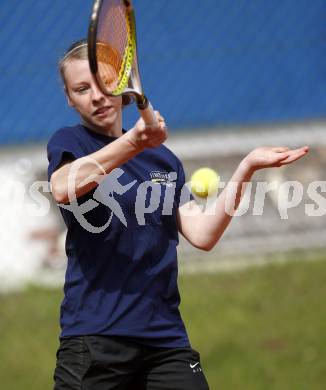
207 63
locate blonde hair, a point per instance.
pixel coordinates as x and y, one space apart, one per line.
79 51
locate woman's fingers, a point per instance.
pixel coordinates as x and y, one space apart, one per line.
267 157
294 155
281 149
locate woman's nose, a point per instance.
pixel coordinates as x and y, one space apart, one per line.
97 93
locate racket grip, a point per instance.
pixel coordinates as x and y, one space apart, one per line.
148 115
146 110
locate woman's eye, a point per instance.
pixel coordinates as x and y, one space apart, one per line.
82 89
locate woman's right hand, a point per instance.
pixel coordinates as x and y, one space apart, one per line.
144 136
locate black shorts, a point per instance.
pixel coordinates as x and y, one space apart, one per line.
116 363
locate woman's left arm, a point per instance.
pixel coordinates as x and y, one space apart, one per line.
204 229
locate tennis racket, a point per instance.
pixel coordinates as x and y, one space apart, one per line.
112 53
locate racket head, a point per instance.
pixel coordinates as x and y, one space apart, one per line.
112 48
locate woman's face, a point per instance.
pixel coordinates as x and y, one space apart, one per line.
96 109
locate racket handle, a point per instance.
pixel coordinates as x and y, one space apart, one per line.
146 110
148 115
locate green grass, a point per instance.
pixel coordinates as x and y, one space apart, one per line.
262 328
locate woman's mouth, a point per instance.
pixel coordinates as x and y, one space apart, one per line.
102 111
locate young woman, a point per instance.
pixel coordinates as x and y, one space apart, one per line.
121 326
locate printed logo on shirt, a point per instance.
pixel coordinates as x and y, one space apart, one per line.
162 178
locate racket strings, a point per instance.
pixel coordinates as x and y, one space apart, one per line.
116 45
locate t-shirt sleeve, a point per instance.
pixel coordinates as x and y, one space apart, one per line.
63 145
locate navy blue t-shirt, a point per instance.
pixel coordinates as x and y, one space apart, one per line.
121 277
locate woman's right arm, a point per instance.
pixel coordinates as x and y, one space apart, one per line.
75 178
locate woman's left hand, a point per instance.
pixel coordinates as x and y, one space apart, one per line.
269 157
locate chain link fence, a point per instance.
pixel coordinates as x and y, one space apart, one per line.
203 64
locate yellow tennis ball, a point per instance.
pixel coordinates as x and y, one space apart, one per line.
204 182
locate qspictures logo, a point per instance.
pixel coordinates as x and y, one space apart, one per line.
159 192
